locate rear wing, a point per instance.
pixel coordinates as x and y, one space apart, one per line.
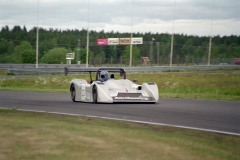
97 70
78 70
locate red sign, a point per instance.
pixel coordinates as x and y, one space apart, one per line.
102 41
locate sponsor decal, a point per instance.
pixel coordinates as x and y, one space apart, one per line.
102 41
124 41
113 41
137 40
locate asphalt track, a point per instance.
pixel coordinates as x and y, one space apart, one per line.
209 115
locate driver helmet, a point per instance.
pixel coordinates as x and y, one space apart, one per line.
104 75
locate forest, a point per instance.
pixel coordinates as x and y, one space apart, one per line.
18 45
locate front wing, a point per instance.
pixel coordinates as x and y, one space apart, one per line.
133 97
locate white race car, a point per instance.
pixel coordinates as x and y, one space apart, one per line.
107 89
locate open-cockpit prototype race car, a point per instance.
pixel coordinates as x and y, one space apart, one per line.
106 89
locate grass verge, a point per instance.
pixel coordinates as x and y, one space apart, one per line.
37 136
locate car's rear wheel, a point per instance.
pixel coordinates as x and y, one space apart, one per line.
94 94
73 94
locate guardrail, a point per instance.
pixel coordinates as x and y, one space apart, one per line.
59 68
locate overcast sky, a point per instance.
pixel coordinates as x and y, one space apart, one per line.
191 17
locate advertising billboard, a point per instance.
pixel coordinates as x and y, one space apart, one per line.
121 41
113 41
102 41
137 40
124 41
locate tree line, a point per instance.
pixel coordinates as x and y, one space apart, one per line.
18 45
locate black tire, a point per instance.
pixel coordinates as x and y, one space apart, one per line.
94 94
73 94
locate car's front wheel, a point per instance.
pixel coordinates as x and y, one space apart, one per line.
73 94
94 94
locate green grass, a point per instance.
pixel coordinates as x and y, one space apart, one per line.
37 136
220 84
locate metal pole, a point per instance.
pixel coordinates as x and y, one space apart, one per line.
151 51
37 38
209 50
171 52
130 58
87 38
210 38
158 53
78 53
